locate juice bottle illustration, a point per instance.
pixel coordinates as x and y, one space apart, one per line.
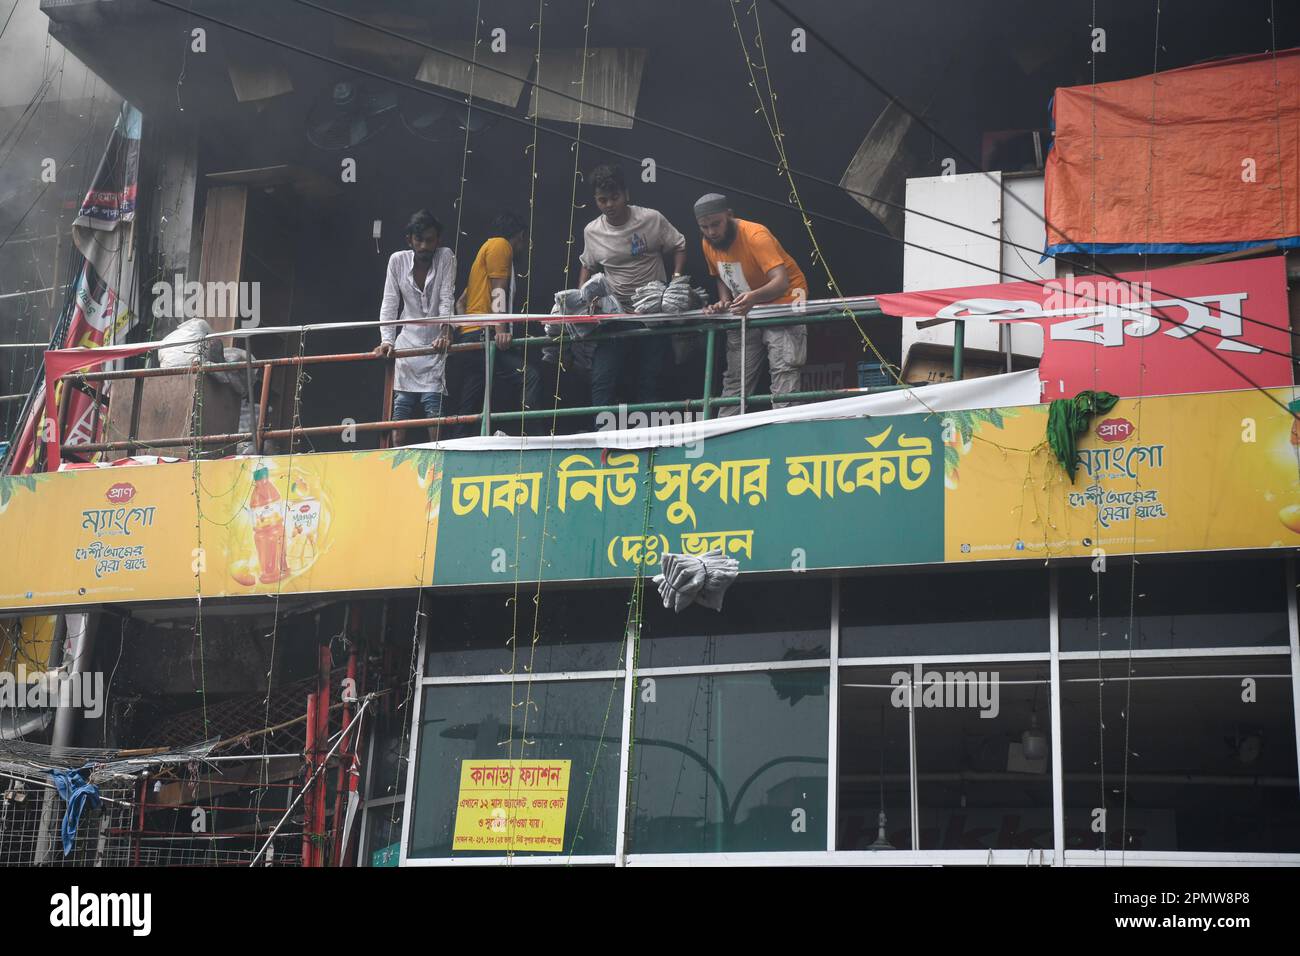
268 527
302 524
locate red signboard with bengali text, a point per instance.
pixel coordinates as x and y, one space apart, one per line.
1161 332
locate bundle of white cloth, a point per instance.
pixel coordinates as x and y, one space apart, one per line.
187 344
688 579
675 297
593 298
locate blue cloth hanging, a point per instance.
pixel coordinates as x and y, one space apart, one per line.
75 792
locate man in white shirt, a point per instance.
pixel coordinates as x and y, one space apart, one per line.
628 244
420 284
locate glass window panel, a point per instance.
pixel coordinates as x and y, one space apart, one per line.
759 621
577 629
730 762
1183 762
874 802
954 612
1175 604
983 756
383 835
391 753
578 720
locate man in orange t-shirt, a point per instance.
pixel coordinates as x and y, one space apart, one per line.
491 289
753 269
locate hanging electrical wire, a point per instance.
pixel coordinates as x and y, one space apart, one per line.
803 174
1097 566
514 598
545 534
510 117
1130 636
295 423
469 116
773 122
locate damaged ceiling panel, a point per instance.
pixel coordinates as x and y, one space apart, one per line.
258 81
380 49
612 85
881 165
453 73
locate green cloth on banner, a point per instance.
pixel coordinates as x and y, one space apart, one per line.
1068 418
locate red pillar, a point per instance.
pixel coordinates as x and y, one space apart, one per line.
322 748
310 758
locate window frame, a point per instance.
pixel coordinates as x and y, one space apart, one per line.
1053 656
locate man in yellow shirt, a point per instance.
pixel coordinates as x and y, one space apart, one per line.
752 268
491 289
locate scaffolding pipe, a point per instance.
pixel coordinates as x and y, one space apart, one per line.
138 830
710 344
360 711
79 644
323 690
341 793
958 350
489 366
311 759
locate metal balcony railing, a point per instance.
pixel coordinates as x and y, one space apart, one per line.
711 327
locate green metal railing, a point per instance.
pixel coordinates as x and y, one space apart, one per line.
708 403
814 313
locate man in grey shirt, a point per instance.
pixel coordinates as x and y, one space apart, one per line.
421 283
628 243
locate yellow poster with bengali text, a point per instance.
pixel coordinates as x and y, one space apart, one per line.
512 805
225 528
1212 471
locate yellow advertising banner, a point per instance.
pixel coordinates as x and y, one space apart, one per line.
1214 471
238 526
27 641
512 805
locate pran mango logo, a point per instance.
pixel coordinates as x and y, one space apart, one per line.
120 493
1115 430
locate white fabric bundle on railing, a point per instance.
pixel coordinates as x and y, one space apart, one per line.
185 345
593 297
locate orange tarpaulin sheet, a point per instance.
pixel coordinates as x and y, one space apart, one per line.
1217 143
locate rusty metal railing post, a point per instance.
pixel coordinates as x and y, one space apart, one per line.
263 401
248 386
97 399
60 425
386 413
